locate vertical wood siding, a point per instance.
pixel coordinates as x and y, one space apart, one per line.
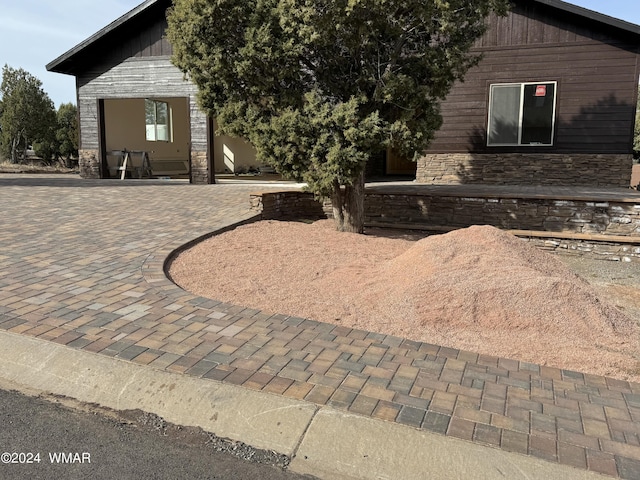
143 37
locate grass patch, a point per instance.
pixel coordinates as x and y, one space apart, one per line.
6 167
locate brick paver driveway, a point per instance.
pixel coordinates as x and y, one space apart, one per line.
73 253
81 265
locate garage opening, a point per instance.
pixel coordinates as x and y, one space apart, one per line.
146 137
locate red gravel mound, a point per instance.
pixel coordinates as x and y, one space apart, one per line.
478 289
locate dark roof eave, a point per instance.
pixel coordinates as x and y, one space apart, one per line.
57 65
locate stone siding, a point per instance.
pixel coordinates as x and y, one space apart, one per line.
289 205
635 177
199 168
89 163
603 250
574 216
595 170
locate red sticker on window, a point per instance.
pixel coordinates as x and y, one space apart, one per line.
541 91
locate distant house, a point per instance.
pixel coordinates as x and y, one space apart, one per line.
552 102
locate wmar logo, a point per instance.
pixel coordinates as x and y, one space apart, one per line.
64 457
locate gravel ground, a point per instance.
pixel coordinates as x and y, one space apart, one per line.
619 282
477 289
603 271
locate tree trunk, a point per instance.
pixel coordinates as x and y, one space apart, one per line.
348 206
15 142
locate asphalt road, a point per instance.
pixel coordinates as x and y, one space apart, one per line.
45 439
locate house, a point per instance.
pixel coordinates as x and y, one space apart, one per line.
132 99
552 102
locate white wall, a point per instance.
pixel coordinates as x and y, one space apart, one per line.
232 154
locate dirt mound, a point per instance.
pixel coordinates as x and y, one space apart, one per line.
478 289
484 277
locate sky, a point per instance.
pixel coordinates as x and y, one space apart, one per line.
35 32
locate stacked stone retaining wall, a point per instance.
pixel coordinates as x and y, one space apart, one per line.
620 252
608 229
289 205
615 218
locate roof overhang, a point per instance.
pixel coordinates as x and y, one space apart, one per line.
626 27
68 62
65 62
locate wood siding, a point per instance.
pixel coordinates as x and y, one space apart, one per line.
141 77
138 35
531 23
595 66
597 79
140 41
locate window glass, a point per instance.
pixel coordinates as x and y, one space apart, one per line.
505 114
157 121
537 114
521 114
150 115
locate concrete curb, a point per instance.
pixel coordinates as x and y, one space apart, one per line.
262 420
343 447
323 441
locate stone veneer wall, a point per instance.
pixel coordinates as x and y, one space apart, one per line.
89 163
548 215
289 205
604 250
199 168
595 170
609 229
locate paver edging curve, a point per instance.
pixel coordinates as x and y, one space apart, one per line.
155 268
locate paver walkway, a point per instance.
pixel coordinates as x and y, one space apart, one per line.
81 264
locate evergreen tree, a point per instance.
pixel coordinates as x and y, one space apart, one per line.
67 132
320 87
27 117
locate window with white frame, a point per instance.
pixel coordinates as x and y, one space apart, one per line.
158 121
521 114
